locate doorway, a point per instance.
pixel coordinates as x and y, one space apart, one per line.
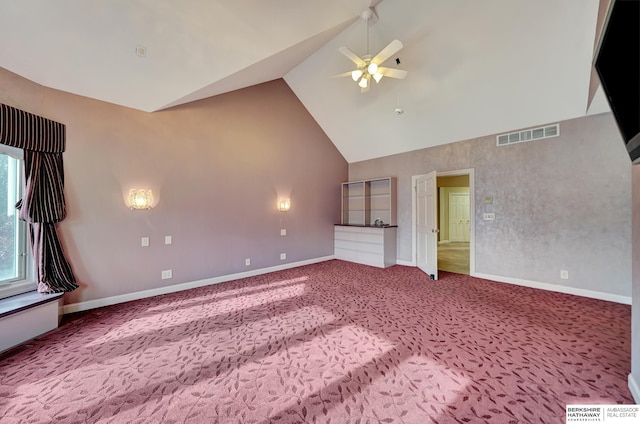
453 247
454 213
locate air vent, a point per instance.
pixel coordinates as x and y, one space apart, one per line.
528 135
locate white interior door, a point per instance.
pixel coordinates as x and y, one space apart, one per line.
459 217
426 228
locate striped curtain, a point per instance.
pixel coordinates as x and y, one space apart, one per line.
42 204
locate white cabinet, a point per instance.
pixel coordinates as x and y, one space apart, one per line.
364 202
375 246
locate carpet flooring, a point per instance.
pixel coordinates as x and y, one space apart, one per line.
333 342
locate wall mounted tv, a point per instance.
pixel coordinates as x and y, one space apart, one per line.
617 62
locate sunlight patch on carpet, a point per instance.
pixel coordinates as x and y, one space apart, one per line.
184 316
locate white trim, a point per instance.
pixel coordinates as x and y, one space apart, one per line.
16 287
634 388
406 263
626 300
14 152
112 300
25 281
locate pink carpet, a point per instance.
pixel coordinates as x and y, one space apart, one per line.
333 342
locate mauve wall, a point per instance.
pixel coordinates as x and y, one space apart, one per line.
216 168
560 203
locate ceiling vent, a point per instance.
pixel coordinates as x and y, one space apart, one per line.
528 135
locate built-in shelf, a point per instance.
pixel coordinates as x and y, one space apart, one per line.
368 232
364 202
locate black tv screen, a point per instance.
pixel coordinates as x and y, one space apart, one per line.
617 63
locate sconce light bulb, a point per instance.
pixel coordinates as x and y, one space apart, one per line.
140 199
284 205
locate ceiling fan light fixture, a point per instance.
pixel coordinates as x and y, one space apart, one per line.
369 66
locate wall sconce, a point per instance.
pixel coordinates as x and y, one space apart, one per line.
284 205
140 198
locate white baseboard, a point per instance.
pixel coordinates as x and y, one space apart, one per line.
556 288
634 388
97 303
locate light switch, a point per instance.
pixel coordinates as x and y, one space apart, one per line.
489 216
283 232
144 241
167 239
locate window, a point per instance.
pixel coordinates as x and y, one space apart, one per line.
10 232
13 258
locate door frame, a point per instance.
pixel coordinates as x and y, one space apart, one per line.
472 215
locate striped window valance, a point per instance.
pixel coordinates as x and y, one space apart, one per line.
30 132
42 204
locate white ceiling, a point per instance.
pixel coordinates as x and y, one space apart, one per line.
474 67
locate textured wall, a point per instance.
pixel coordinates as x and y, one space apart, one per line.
216 168
560 203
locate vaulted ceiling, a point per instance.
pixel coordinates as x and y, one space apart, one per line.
474 67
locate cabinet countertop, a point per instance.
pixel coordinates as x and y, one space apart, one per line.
366 226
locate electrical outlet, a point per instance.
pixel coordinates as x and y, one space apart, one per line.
283 232
166 274
247 261
144 241
564 274
283 256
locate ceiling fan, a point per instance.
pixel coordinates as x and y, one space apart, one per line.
368 67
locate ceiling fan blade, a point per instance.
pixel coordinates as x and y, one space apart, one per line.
351 55
386 53
345 74
392 72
